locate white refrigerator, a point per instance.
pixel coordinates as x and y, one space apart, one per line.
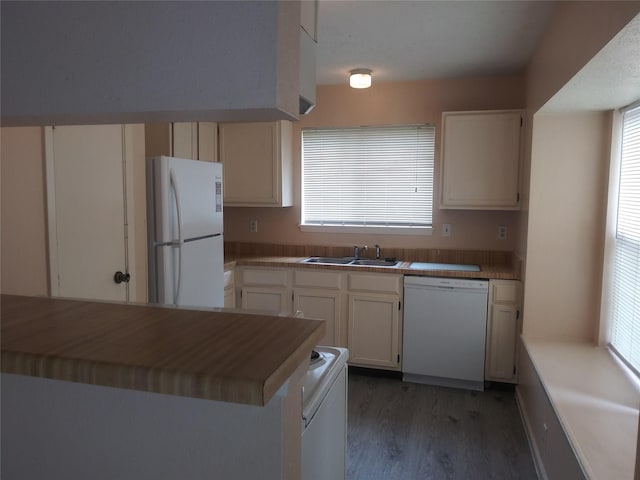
185 232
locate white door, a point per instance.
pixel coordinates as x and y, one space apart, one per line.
87 205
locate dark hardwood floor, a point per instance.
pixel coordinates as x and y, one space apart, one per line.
407 431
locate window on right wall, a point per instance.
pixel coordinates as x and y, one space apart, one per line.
624 296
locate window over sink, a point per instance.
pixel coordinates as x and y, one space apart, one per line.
368 178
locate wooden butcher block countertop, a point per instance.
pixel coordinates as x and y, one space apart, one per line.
215 354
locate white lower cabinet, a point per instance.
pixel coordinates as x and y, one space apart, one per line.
229 289
503 329
320 305
362 310
374 330
266 299
319 295
266 290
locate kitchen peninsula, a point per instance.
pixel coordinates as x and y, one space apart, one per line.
106 390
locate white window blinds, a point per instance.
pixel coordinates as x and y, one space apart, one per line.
368 176
626 270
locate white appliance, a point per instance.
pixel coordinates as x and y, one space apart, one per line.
444 331
185 232
324 416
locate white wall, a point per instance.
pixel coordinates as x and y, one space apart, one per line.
569 176
59 430
133 62
23 221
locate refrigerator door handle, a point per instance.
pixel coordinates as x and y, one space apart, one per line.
180 242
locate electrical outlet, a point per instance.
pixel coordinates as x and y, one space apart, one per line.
446 229
253 226
502 232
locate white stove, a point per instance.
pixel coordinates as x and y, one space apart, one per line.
324 415
321 374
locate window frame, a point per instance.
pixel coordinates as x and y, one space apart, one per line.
607 294
415 230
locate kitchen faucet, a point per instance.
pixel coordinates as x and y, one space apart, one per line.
356 250
377 251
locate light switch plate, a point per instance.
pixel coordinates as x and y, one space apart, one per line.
446 229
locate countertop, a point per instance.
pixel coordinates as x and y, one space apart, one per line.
213 354
596 401
487 271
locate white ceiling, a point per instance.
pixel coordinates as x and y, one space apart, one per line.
610 80
412 40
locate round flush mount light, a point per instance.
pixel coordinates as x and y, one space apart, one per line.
360 78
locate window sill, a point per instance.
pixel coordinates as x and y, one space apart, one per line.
596 401
371 229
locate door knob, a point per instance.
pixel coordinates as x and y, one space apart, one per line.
120 277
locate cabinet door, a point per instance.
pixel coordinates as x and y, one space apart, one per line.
197 141
320 305
502 328
229 298
374 330
185 140
257 163
229 289
208 141
267 300
480 159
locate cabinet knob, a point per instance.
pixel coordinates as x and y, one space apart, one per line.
120 277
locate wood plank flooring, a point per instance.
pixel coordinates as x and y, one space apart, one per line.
406 431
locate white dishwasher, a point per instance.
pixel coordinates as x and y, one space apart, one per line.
444 331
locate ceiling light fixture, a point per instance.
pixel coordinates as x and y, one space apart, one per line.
360 78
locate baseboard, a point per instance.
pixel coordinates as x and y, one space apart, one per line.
374 372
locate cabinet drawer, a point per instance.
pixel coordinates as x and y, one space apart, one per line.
228 278
507 292
263 276
307 278
375 283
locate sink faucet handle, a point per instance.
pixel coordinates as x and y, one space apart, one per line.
356 251
377 251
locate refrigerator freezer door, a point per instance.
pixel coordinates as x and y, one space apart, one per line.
187 197
197 280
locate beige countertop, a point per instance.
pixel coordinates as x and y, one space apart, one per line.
214 354
488 271
596 401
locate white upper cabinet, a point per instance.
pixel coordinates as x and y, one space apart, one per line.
197 141
481 154
257 164
193 140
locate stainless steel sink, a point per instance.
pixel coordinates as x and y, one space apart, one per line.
329 260
375 263
352 261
